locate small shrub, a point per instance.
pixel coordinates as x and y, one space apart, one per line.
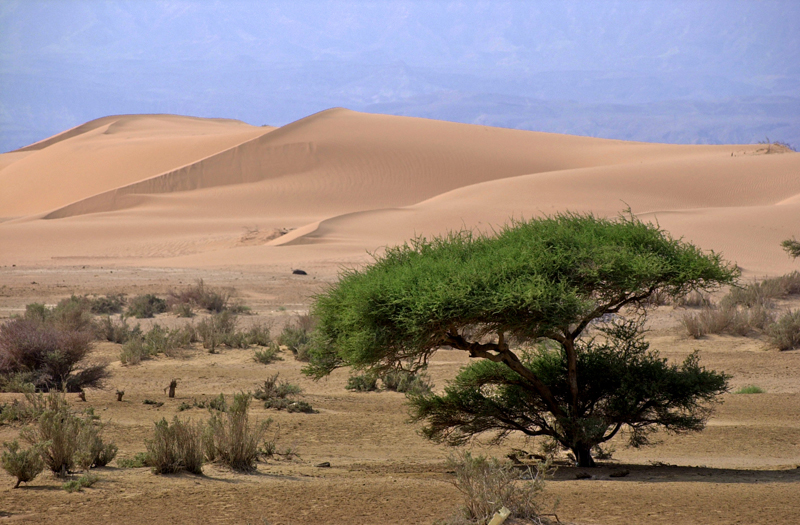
109 304
57 431
24 465
85 481
217 330
183 310
300 406
158 340
218 403
274 389
750 389
137 461
406 382
146 306
92 452
362 383
54 356
18 382
231 440
175 447
259 335
199 296
72 314
133 351
296 337
267 355
489 485
693 299
785 332
791 247
106 329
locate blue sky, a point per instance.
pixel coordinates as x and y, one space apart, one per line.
671 71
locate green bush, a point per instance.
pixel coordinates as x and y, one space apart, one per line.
267 355
72 314
280 395
158 340
85 481
362 383
231 440
24 465
407 382
64 438
296 337
750 389
217 330
785 332
146 306
109 304
107 329
175 447
137 461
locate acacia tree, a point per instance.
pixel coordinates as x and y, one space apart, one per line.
553 308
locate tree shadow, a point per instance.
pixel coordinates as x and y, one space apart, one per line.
659 473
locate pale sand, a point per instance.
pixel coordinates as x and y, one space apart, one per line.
166 191
145 204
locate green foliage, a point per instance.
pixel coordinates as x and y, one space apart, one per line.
488 485
785 333
231 440
362 382
24 465
85 481
72 314
146 306
137 461
407 382
107 329
792 247
217 330
296 336
158 340
280 396
750 389
541 281
175 447
267 355
109 304
65 439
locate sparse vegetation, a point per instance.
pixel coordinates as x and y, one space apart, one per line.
407 382
488 485
785 332
55 357
175 447
362 382
108 329
296 336
146 306
267 355
137 461
85 481
108 304
230 439
750 389
792 247
158 340
25 464
280 396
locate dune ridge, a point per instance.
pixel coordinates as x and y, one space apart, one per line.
344 183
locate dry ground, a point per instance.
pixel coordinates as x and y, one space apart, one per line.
742 469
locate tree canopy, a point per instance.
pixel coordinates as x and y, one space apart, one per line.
553 305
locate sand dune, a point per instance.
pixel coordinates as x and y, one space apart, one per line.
178 191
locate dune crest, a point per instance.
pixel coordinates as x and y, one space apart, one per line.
180 191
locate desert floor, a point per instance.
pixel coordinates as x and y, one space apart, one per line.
744 468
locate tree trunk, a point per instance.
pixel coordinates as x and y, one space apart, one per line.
583 456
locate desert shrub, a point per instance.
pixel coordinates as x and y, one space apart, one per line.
137 461
280 395
92 451
133 351
488 485
145 306
72 314
36 312
217 330
218 403
267 355
728 319
231 440
792 247
24 410
85 481
259 335
362 383
175 447
199 296
693 299
108 304
785 332
750 389
107 329
183 310
296 336
20 382
407 382
57 431
55 357
157 340
24 465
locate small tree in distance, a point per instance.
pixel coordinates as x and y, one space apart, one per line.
791 247
553 308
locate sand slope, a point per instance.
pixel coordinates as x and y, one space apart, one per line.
179 191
